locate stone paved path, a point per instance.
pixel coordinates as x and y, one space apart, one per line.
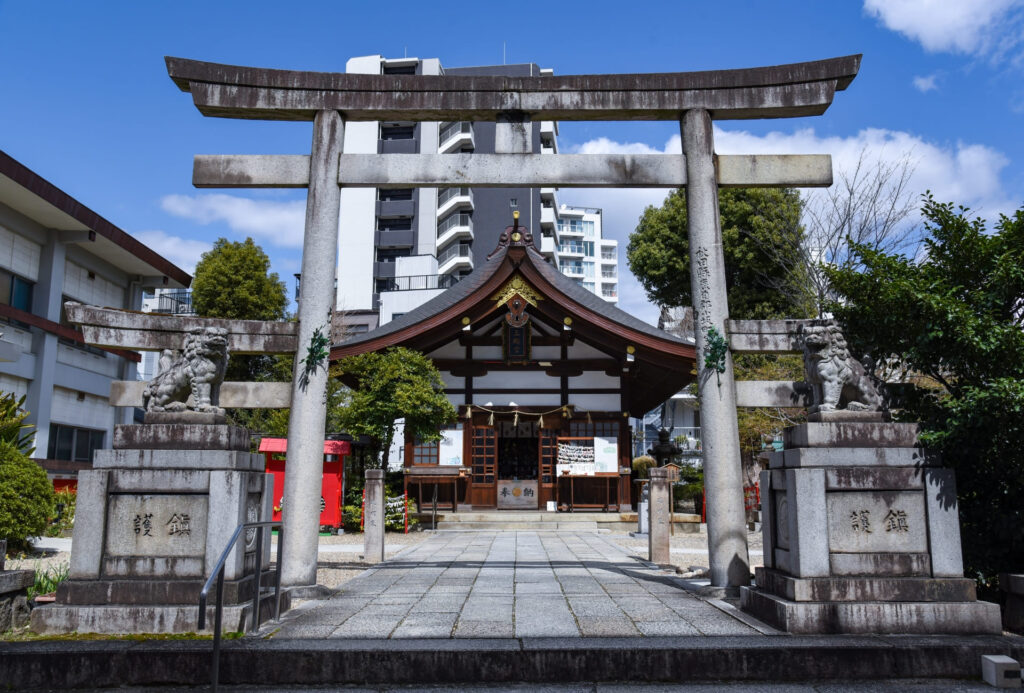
509 585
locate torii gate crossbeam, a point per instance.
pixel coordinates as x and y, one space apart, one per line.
694 99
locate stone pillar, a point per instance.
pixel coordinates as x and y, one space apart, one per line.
660 505
304 471
46 303
723 474
373 517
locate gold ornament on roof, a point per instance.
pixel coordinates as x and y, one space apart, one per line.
517 285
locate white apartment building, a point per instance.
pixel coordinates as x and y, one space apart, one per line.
55 249
399 248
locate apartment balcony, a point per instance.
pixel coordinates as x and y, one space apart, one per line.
548 195
454 258
571 250
450 199
453 137
548 247
409 146
571 270
458 226
573 230
547 217
177 302
394 239
418 282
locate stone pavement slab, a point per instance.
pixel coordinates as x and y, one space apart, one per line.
513 584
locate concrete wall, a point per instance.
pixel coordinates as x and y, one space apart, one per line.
63 382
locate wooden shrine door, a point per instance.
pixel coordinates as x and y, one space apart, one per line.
547 483
484 463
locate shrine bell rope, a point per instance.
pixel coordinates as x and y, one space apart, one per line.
566 411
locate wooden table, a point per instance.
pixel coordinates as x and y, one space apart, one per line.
570 480
434 476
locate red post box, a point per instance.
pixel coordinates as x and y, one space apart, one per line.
333 477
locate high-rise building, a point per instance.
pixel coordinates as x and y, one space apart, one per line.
400 247
585 255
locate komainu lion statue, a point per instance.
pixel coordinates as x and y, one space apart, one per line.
197 370
838 379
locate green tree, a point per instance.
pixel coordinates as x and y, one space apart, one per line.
954 316
26 497
397 383
766 277
762 239
233 281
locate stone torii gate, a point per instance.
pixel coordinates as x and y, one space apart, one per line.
694 99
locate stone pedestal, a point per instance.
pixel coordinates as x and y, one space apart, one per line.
153 516
14 607
659 525
373 517
862 535
1013 616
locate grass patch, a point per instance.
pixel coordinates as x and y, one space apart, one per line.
26 635
46 581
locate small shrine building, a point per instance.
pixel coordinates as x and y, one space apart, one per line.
544 375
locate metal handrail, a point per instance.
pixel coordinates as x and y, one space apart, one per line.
218 574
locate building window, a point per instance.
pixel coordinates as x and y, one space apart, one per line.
609 291
608 253
601 429
425 453
397 132
357 329
395 224
394 194
608 272
73 443
399 69
389 254
15 291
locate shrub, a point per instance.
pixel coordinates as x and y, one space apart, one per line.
64 521
642 464
26 497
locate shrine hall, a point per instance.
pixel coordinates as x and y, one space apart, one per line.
544 376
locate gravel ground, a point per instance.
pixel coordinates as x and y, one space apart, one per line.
39 561
693 556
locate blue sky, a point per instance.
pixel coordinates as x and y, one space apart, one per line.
86 101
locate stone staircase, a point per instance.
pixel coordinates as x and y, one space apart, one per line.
539 521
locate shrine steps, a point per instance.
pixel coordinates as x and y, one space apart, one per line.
272 664
540 521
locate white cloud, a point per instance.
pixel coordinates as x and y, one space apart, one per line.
925 84
967 174
183 252
279 222
978 27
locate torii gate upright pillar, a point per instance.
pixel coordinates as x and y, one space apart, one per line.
303 474
723 477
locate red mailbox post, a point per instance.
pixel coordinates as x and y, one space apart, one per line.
333 486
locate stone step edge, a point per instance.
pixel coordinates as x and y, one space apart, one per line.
106 663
